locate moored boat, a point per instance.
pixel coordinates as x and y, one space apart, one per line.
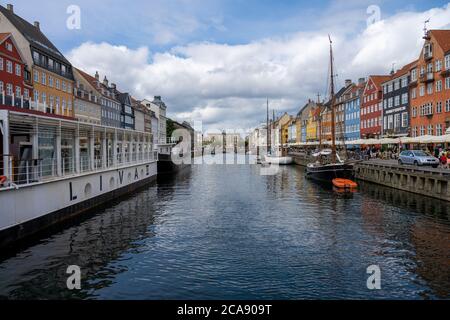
329 165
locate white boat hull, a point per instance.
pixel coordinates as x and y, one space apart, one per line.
32 208
279 160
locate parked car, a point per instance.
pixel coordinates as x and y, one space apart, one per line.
418 158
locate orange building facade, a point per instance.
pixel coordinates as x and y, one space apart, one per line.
430 86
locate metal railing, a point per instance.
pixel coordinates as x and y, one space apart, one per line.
28 172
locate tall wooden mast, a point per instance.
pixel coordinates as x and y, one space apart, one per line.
268 129
333 111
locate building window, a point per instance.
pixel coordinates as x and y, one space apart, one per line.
414 93
404 119
438 65
404 82
438 107
397 120
447 106
439 129
9 46
404 98
18 92
422 90
44 78
63 86
447 62
50 81
9 89
36 96
57 84
397 101
439 86
422 130
430 88
18 70
36 76
26 94
430 130
414 75
1 64
9 67
447 83
44 97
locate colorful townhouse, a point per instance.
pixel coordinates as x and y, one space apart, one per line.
340 111
326 122
87 99
51 72
303 117
430 86
372 108
15 79
396 102
312 128
352 99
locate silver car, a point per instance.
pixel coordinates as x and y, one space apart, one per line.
418 158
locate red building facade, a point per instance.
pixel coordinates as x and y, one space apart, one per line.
15 85
372 108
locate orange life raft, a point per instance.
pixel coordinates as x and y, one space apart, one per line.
345 184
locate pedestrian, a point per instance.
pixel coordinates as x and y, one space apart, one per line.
444 161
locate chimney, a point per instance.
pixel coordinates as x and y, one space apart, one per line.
348 82
10 7
97 76
37 25
361 81
105 82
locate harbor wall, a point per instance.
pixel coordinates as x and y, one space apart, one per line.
423 181
31 209
426 182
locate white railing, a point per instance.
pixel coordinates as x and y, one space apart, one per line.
21 173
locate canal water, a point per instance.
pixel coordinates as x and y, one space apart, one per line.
228 232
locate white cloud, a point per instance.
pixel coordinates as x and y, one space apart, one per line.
226 85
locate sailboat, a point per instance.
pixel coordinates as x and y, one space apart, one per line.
329 165
276 154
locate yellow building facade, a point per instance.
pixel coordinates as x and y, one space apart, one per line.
312 126
53 91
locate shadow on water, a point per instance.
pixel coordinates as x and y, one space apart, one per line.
110 233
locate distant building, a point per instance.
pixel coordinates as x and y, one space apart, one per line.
303 117
340 111
127 113
352 100
372 108
159 108
87 99
396 103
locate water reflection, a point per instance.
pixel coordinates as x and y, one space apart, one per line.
226 232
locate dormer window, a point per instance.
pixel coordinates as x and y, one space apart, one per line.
9 46
428 53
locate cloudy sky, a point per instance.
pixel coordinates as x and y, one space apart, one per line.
216 61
